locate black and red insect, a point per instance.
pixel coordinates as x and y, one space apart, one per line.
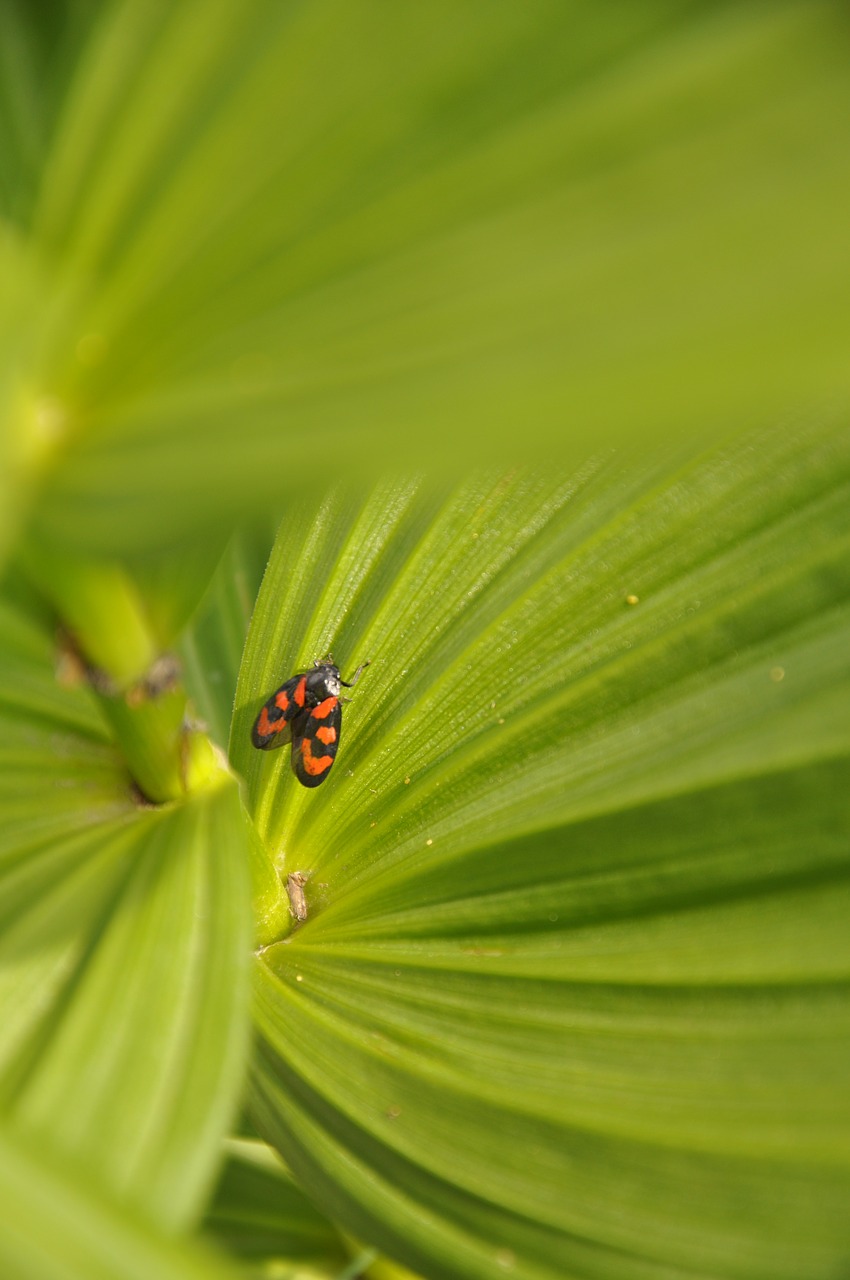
306 710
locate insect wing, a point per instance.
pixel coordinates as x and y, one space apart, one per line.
315 740
273 726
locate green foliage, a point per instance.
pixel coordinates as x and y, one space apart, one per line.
260 1214
123 950
470 303
53 1226
253 230
572 988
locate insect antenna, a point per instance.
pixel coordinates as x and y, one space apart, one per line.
349 684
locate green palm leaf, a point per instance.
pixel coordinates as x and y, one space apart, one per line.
571 998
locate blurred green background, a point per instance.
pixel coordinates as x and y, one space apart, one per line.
247 244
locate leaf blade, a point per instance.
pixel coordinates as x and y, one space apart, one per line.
57 1226
549 219
124 953
572 993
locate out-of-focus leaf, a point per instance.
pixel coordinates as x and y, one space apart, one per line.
260 1215
39 46
211 647
122 948
28 422
174 585
572 996
284 239
55 1225
122 621
139 1066
382 1269
101 607
211 650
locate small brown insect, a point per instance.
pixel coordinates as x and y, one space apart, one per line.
295 883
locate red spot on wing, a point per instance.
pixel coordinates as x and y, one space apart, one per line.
326 733
314 764
282 699
265 726
323 710
300 690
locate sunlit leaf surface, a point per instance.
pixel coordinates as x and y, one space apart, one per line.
123 935
572 995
